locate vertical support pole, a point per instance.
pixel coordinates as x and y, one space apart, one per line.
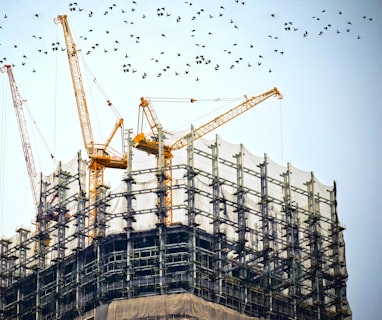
162 214
42 222
61 212
315 243
216 222
22 266
96 177
242 228
241 212
60 215
191 212
129 216
5 280
43 239
215 187
265 225
81 232
101 208
23 236
191 173
18 303
81 204
101 233
338 256
292 241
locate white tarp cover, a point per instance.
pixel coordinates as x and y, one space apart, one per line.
227 172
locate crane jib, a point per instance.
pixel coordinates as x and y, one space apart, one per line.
225 117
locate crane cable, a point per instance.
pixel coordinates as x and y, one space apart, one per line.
192 100
108 101
89 80
3 152
31 124
227 100
94 79
281 134
55 98
33 121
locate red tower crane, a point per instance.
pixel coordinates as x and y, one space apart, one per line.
18 102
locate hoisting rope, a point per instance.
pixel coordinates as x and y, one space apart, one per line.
33 121
3 141
281 134
55 98
192 100
108 101
94 79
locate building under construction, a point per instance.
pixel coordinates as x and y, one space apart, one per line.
248 239
208 231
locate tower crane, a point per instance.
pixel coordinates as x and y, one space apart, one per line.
151 146
18 102
101 155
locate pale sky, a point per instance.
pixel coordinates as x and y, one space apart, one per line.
323 56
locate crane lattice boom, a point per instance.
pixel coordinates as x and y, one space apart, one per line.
71 50
18 102
225 117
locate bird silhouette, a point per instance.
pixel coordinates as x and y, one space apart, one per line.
187 24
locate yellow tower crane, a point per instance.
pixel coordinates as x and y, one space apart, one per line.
151 145
101 155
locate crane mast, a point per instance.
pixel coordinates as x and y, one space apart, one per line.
151 146
18 102
101 155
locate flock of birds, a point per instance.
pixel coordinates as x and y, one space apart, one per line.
197 28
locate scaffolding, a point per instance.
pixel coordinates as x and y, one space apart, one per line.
250 240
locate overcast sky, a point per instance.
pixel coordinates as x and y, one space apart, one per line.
324 57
